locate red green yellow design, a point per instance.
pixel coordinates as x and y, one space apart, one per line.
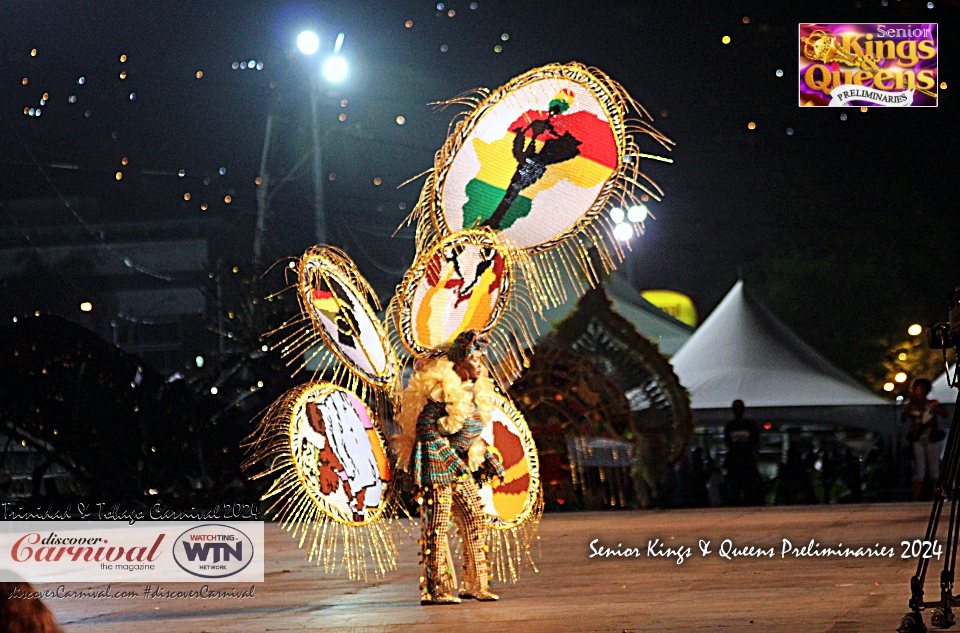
540 148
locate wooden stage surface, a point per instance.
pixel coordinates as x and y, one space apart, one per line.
573 592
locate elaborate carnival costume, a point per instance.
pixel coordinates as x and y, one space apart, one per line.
513 216
442 413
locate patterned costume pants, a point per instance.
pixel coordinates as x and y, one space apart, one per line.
461 502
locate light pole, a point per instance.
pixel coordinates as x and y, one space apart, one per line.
319 219
334 70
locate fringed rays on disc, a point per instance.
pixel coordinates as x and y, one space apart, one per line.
339 542
578 254
512 538
512 320
308 338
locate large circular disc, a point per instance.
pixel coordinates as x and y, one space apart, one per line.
536 160
461 283
339 453
508 504
344 319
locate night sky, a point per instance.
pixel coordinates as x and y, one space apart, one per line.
848 228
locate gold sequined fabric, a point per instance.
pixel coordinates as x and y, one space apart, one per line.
460 502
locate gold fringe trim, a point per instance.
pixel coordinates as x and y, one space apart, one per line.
338 545
511 549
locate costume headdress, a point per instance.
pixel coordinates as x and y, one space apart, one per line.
466 343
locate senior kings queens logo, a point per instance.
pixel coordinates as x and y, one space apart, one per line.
868 65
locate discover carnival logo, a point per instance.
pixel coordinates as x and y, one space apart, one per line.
213 551
114 552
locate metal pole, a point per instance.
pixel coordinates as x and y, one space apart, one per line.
319 220
263 200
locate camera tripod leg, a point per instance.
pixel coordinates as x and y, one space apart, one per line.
943 616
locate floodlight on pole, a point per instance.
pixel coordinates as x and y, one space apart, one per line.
637 213
308 42
335 69
623 232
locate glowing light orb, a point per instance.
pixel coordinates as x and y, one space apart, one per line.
308 42
335 69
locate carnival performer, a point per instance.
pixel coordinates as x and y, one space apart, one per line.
443 410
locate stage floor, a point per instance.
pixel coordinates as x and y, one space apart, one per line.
573 592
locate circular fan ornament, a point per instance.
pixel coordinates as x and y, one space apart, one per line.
515 506
332 486
539 160
464 281
336 314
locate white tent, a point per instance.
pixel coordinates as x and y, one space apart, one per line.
742 351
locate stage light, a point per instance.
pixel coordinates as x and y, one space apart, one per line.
198 360
623 232
335 69
86 306
888 386
308 42
900 377
915 330
637 213
214 390
617 214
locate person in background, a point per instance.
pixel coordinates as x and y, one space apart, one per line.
742 437
923 434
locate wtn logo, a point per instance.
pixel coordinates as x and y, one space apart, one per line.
202 550
213 551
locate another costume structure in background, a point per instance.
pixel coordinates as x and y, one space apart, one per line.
924 434
443 411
